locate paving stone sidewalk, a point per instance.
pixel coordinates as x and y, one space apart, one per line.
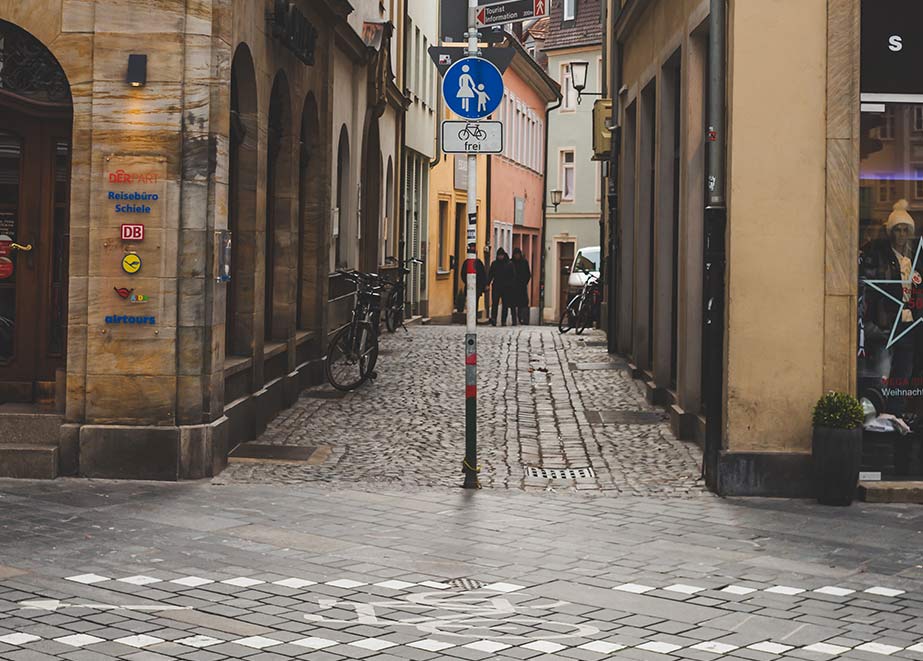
95 570
545 401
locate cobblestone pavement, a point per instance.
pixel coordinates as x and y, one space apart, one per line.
543 402
94 570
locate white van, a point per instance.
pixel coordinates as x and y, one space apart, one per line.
586 259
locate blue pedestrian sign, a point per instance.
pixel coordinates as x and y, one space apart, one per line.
473 88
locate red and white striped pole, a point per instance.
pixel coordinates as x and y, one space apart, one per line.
470 465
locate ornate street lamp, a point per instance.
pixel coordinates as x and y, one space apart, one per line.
578 76
556 197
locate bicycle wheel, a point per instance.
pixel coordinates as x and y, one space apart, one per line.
368 351
349 361
584 318
394 312
568 319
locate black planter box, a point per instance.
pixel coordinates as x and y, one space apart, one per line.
837 457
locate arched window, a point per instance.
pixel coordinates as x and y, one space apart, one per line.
342 198
242 205
277 208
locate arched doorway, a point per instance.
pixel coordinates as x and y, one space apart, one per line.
244 136
278 198
36 116
371 197
310 219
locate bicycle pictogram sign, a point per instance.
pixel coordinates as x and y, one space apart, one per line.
477 614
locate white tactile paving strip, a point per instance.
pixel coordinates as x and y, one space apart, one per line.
786 590
602 647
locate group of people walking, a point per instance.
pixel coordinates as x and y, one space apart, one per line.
508 279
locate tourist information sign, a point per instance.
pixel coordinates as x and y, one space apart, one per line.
511 11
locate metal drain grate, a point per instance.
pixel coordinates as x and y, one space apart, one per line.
273 452
626 417
324 394
467 584
586 367
560 473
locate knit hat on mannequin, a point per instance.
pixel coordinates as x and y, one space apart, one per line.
900 216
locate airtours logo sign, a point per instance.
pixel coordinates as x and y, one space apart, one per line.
129 320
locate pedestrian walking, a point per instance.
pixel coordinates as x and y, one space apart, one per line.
481 278
521 292
502 281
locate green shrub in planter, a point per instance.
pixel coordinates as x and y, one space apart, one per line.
837 448
838 410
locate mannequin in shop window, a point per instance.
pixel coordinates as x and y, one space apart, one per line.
884 368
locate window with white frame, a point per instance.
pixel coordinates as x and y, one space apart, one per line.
568 175
569 94
424 57
570 10
886 130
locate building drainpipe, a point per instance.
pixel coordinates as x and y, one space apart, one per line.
612 195
544 236
401 179
715 246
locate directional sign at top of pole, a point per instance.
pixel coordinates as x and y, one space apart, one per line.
473 88
511 11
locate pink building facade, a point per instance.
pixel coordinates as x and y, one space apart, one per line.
516 184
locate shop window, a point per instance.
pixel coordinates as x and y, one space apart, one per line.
890 376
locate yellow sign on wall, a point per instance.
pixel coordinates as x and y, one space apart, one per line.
131 263
602 134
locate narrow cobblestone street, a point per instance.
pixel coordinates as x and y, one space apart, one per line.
546 401
375 553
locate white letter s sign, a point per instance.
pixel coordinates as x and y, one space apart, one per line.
896 43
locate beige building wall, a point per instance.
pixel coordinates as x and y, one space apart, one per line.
776 205
792 189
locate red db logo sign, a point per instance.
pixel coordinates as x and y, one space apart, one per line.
132 232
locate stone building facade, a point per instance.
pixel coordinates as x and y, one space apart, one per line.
246 140
793 316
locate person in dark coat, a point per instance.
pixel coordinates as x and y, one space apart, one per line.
521 292
481 275
502 281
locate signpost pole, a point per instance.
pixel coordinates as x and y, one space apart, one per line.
471 342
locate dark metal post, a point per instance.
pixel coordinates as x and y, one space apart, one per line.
470 463
715 242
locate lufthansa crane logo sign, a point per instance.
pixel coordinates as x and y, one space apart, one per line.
473 88
131 263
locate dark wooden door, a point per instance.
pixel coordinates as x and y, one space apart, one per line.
34 237
565 262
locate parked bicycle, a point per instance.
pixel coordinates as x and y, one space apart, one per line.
396 300
353 351
472 132
580 312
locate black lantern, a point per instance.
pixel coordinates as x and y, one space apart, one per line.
137 70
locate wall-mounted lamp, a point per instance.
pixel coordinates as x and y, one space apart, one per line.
137 70
556 197
578 76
